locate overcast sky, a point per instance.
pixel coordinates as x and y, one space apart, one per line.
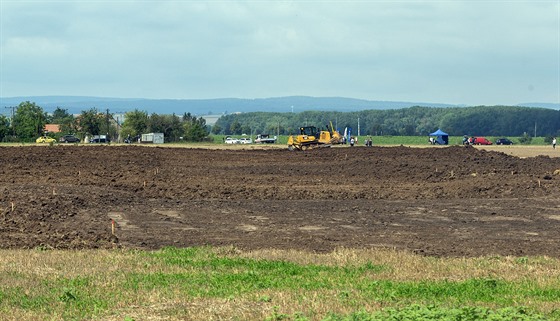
458 52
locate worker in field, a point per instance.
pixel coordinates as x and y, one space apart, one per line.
352 141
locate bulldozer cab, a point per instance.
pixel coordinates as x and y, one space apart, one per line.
308 130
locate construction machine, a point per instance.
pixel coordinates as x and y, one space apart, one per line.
311 137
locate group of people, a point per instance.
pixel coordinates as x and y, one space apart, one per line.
468 140
354 141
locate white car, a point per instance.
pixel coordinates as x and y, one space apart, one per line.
231 140
244 140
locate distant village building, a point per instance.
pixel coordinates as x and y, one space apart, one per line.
51 128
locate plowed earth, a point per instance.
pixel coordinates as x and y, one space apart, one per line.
452 201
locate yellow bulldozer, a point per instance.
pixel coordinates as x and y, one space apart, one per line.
311 137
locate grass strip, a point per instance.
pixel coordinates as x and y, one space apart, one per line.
209 283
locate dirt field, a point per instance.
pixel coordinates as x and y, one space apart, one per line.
452 201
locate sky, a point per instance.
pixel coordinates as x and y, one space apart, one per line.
458 52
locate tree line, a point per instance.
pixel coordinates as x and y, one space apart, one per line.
413 121
29 120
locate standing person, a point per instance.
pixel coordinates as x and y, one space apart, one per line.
351 141
554 143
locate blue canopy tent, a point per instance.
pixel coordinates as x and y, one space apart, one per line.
442 137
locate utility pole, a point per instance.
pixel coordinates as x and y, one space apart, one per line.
535 129
13 108
107 137
109 116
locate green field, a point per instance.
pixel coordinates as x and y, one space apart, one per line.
207 283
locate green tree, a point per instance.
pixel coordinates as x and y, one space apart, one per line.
29 121
169 125
59 115
194 128
246 129
217 129
235 128
175 129
4 127
135 123
65 120
90 121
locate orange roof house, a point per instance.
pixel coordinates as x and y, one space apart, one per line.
52 128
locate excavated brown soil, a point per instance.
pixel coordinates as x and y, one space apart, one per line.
452 201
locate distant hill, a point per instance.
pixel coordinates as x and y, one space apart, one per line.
76 104
542 105
200 107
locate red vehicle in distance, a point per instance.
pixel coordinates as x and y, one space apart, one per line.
481 141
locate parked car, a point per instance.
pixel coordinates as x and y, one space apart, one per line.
244 140
231 140
69 139
95 139
45 139
504 141
481 141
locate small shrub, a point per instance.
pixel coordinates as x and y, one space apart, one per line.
525 139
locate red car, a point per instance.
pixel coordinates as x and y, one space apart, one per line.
481 141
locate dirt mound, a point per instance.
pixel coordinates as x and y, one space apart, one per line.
452 201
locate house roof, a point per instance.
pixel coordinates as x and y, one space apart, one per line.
52 128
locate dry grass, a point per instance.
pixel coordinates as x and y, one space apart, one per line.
107 271
407 266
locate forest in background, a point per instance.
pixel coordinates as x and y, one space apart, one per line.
29 120
413 121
